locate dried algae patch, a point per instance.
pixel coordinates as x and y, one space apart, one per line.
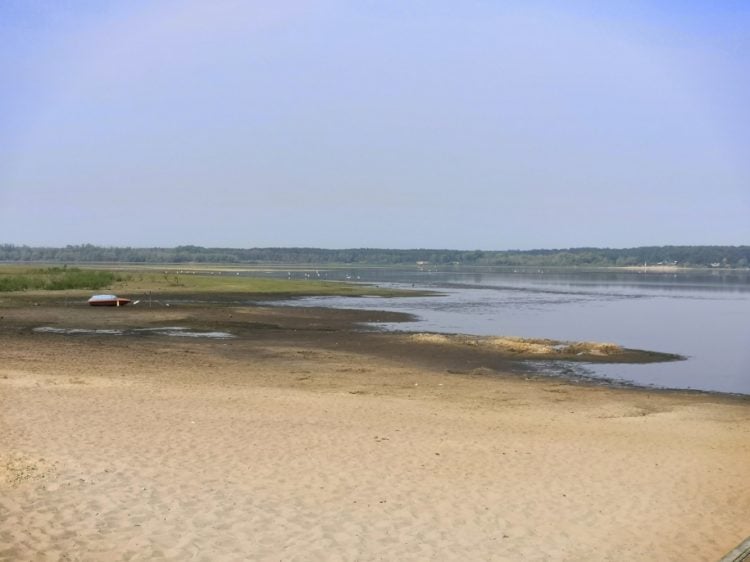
432 338
523 346
593 348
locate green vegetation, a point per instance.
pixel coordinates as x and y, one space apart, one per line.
173 282
54 279
15 278
684 256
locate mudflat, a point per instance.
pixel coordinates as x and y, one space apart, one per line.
301 437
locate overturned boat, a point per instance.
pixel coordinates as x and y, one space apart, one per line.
108 300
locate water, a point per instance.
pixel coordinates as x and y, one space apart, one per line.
174 331
704 316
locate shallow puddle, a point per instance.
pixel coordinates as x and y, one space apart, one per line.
174 331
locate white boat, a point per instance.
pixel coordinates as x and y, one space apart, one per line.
108 300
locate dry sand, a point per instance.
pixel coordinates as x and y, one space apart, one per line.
288 443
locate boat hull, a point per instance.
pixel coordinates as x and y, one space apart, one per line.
115 301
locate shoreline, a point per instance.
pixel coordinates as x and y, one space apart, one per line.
245 315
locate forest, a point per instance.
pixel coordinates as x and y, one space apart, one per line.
681 256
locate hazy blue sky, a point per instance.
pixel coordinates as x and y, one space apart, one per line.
472 124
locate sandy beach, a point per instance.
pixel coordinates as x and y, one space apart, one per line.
301 439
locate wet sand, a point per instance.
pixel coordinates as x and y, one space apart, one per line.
303 439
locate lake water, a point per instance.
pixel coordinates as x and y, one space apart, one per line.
704 316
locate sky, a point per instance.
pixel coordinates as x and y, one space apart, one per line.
403 124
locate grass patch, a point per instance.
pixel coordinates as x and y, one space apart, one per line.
54 279
172 282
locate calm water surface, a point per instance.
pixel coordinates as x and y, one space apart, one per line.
702 315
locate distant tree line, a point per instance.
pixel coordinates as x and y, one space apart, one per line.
689 256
